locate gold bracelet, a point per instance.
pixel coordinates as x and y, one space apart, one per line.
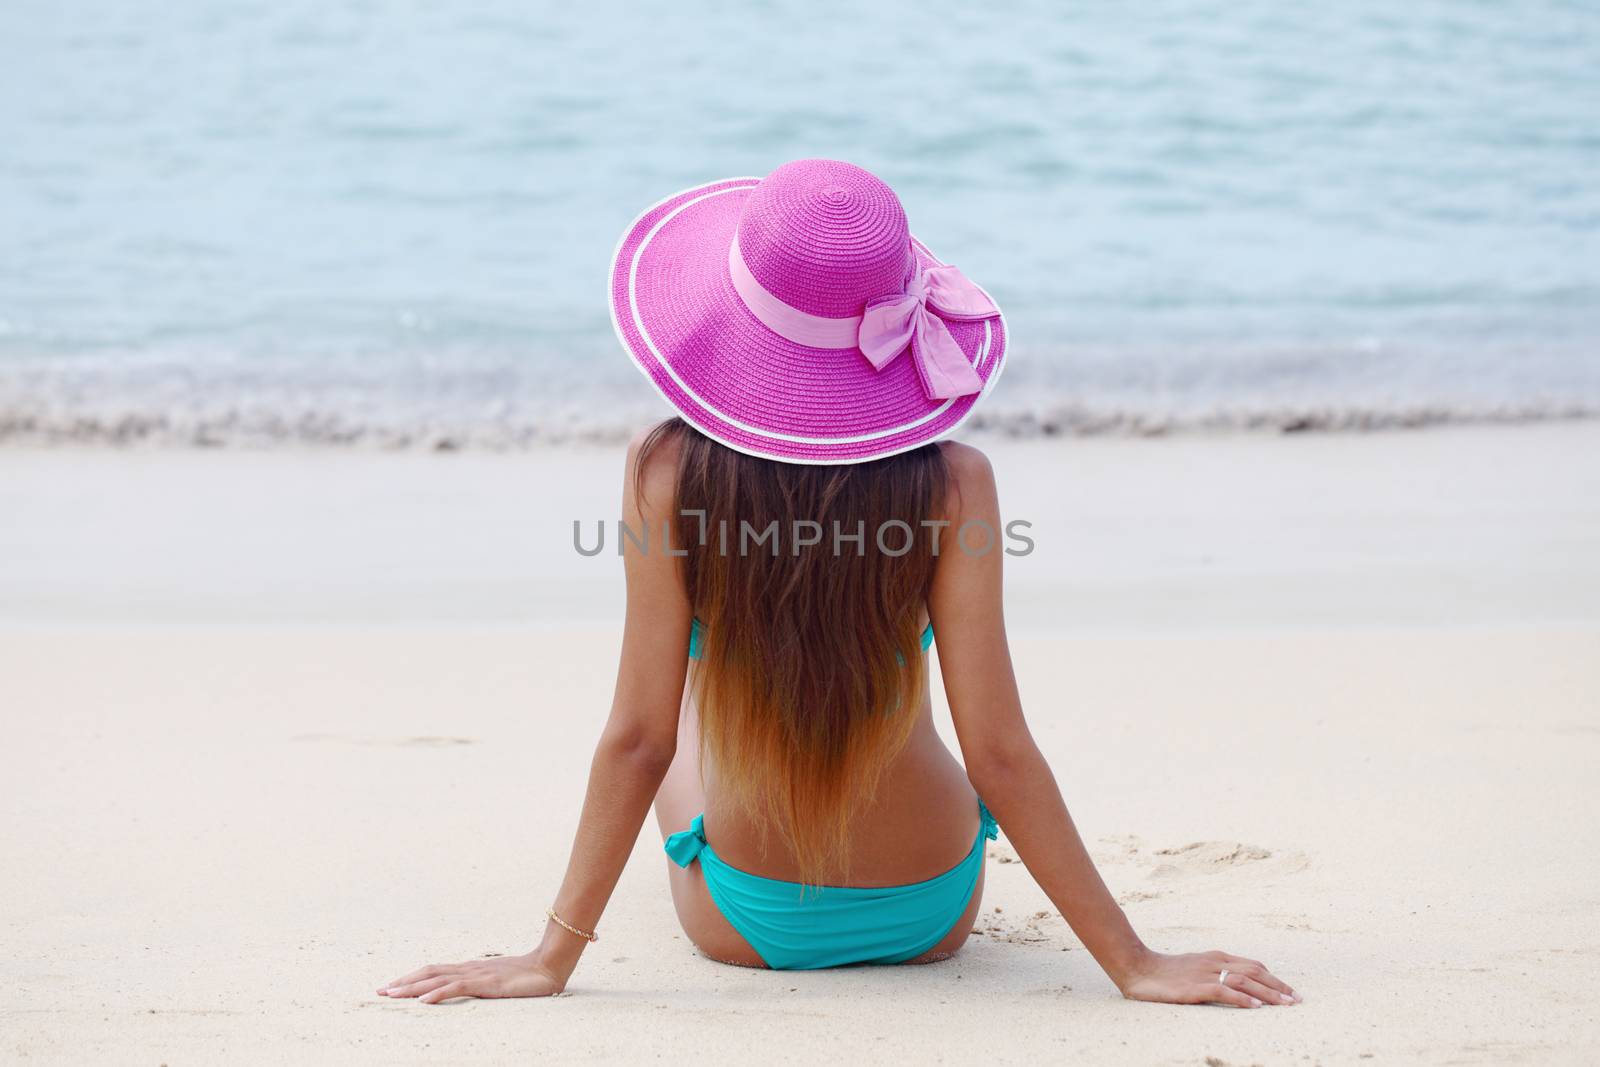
559 921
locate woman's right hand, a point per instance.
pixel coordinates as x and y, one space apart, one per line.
1205 978
497 976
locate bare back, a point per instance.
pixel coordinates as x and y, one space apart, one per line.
919 823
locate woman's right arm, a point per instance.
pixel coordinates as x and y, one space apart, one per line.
632 756
1014 780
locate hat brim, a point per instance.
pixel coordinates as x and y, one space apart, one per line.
675 310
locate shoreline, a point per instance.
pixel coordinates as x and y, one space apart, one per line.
30 423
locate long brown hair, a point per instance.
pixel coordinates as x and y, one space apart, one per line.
811 665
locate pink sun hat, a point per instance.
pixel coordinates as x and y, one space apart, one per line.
795 317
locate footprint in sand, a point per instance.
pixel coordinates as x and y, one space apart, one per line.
1193 865
1228 861
1137 896
1206 857
1196 860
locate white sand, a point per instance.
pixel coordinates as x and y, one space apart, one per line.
280 727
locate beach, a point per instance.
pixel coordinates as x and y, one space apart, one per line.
315 384
283 725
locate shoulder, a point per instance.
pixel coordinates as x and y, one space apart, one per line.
971 485
967 462
650 475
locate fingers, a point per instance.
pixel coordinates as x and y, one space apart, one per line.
457 988
1226 994
432 970
1257 971
418 975
1253 988
427 985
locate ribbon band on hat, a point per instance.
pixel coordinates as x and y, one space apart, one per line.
890 324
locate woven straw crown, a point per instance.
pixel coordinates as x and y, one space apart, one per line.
825 237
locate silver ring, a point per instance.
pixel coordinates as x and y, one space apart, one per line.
1222 979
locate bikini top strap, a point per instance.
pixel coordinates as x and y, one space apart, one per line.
685 845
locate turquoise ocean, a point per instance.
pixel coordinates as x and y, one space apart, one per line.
390 222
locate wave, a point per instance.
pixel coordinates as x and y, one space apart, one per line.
24 425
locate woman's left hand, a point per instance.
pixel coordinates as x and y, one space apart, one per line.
497 976
1205 978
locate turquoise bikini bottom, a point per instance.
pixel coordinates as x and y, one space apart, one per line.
795 927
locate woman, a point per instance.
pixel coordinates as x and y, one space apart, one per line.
793 543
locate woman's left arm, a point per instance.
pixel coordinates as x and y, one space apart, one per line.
635 749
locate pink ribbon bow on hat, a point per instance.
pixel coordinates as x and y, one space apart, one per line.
915 318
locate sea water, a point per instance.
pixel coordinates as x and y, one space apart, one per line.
325 220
